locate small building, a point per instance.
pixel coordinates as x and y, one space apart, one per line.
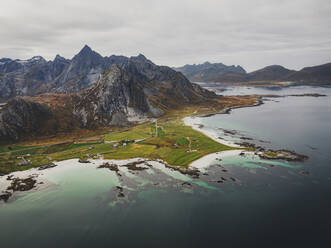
24 162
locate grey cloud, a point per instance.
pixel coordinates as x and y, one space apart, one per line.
252 33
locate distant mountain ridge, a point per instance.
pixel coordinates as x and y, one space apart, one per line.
209 72
314 74
269 73
219 72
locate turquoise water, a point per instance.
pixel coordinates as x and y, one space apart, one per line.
259 204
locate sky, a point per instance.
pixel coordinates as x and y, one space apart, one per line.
251 33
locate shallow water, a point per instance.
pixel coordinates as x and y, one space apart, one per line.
259 204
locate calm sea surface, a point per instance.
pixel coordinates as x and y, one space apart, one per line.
259 204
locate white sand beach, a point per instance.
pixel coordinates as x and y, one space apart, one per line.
195 122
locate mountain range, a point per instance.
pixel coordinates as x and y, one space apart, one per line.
218 72
88 91
36 75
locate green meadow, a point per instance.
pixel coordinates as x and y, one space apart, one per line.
175 143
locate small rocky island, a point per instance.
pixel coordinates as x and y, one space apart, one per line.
17 184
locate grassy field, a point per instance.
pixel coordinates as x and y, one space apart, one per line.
176 144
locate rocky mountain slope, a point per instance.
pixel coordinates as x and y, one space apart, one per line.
128 91
123 95
27 117
20 113
226 74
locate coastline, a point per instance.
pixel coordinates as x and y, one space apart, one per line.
125 171
195 123
192 121
43 177
46 179
267 154
207 160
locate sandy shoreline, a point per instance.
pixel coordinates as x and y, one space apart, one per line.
209 159
204 162
195 122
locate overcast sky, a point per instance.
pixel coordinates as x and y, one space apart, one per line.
252 33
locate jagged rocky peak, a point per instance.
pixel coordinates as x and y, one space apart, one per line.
32 61
86 51
37 58
81 72
239 68
144 66
5 60
87 58
59 58
141 60
140 57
